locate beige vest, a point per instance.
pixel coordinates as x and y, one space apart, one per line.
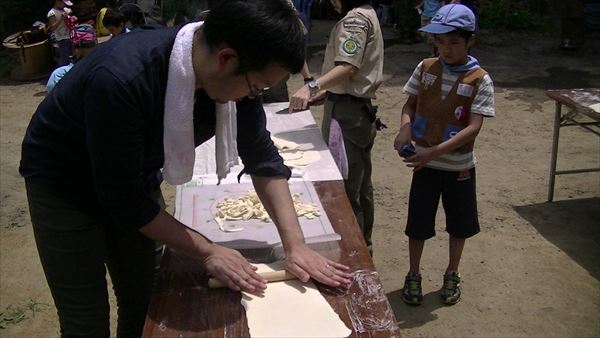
437 119
357 40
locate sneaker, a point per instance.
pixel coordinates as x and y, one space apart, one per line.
451 289
412 293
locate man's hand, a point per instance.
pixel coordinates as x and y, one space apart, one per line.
304 263
230 267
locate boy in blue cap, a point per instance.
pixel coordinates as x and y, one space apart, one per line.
448 98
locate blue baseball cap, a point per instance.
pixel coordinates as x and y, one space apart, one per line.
451 17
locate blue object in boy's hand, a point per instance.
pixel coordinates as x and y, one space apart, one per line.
407 150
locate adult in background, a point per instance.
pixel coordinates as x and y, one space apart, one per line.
569 18
93 149
115 22
407 21
352 72
279 92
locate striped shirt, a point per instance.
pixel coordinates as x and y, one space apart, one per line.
483 104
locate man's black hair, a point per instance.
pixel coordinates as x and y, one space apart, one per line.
348 5
262 32
113 17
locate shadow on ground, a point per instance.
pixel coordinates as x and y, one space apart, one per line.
410 316
557 77
571 225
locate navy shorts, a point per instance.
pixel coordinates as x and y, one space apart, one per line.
458 198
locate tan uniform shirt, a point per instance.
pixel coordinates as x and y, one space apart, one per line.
357 40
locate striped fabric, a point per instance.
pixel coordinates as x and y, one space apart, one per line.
483 104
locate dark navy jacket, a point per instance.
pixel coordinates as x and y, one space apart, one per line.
97 138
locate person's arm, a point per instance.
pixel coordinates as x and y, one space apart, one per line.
468 134
301 261
305 71
339 74
411 88
225 264
116 130
349 45
269 175
54 21
408 113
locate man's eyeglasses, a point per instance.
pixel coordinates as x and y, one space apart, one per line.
254 91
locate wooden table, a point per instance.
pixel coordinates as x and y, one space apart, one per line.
182 306
578 102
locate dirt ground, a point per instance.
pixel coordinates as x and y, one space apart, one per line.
532 271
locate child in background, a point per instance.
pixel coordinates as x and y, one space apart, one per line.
58 74
56 23
115 21
448 98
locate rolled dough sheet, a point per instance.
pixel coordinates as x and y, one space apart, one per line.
291 309
308 157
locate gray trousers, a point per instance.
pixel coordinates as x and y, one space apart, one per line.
75 249
359 136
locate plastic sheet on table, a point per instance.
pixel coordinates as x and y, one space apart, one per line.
367 305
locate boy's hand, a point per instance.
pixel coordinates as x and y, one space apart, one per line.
421 158
404 137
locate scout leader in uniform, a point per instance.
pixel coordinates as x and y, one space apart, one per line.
352 72
93 151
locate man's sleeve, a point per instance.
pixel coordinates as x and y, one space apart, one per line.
259 155
483 103
115 136
352 35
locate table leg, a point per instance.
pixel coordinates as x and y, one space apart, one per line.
555 135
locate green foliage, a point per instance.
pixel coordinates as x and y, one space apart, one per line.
515 15
15 314
12 315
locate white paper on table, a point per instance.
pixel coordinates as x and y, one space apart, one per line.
291 309
299 127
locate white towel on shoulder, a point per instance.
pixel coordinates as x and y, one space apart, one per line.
178 137
226 154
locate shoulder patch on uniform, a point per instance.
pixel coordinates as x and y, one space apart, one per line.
354 23
350 46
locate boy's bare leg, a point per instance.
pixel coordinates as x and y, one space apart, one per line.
415 250
455 252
